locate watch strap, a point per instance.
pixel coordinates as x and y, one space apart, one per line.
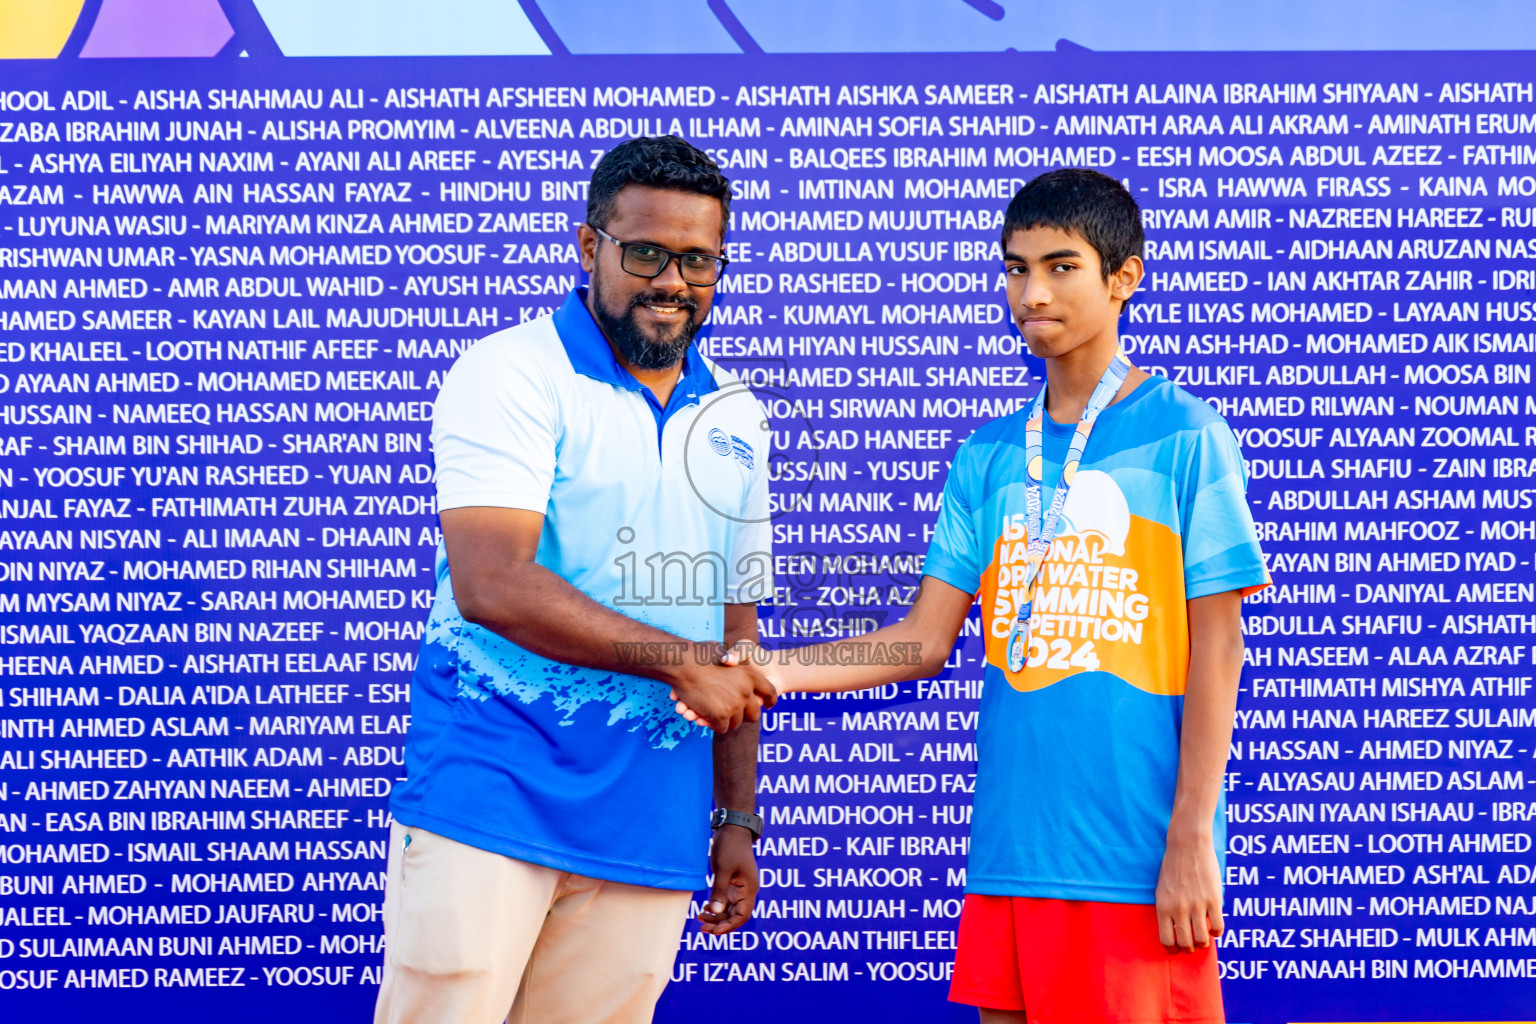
725 816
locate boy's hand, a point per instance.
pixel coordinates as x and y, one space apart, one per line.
1189 894
769 683
757 654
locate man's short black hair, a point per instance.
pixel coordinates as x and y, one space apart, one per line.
1083 202
662 161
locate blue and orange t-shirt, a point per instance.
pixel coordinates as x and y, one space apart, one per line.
1079 752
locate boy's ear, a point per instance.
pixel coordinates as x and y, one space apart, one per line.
1124 282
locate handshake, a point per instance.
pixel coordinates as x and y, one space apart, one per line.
721 689
733 688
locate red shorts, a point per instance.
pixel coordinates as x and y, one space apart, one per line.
1075 962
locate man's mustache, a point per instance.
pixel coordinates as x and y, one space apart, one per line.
648 298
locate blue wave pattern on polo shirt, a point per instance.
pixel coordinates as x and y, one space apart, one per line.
490 665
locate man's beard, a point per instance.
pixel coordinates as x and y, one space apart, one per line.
637 348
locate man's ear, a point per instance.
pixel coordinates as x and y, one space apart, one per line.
586 245
1124 282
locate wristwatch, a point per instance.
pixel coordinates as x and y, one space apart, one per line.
746 819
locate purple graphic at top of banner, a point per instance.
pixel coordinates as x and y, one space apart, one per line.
673 26
386 28
357 28
158 28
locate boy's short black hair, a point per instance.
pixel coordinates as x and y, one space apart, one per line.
1083 202
662 161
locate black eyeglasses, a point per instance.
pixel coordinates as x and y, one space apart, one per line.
646 260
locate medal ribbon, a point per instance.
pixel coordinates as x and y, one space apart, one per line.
1043 531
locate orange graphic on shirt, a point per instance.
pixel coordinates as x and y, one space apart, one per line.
1110 598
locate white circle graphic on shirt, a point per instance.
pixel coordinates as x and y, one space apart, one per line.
1097 505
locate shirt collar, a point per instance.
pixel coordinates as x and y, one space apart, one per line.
1109 412
592 356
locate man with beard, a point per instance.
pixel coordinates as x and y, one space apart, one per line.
603 496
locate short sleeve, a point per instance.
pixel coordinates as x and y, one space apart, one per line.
494 432
955 553
750 574
1221 545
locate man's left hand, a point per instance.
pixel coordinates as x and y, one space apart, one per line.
735 893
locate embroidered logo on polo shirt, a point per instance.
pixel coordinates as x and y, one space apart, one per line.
727 447
742 451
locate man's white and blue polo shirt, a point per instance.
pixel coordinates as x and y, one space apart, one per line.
580 770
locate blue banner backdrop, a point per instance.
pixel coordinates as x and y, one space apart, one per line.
228 290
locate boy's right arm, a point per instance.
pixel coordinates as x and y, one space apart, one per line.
915 648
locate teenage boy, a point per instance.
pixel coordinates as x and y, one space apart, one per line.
1107 531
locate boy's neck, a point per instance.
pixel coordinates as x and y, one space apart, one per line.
1071 377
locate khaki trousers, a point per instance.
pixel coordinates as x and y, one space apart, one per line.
474 937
